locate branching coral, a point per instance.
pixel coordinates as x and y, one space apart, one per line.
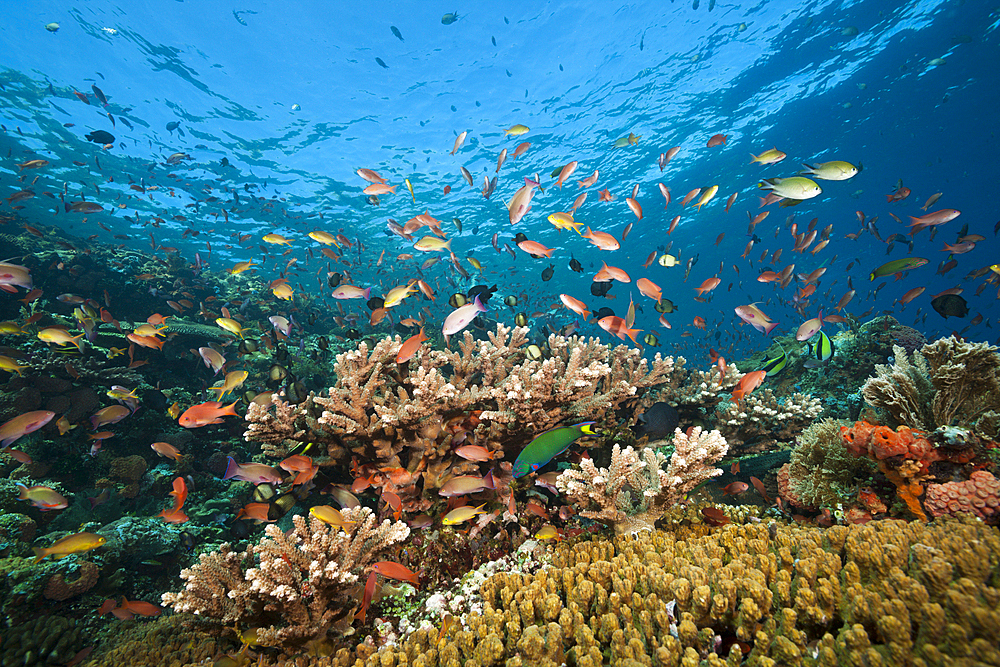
946 383
406 418
293 587
634 490
761 420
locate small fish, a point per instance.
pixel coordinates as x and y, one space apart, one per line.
381 64
71 544
462 514
395 31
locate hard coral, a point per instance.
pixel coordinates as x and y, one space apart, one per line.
886 593
980 495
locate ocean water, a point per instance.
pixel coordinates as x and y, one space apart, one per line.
297 98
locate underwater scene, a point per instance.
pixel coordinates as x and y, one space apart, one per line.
499 334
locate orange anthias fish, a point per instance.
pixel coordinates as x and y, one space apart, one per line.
206 413
176 515
166 450
71 544
748 383
393 570
410 346
256 511
24 424
302 465
616 325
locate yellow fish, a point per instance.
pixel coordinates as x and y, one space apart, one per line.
115 351
174 410
59 337
8 364
324 238
331 515
283 291
462 514
240 267
276 239
432 244
234 379
232 326
397 294
410 188
517 130
71 544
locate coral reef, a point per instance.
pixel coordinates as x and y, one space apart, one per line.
761 422
980 495
45 640
886 593
946 383
293 588
633 491
407 417
822 473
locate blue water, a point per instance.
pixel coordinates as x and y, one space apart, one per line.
292 96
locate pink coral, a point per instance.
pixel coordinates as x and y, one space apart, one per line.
980 494
785 488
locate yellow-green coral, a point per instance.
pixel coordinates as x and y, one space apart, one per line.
884 593
821 468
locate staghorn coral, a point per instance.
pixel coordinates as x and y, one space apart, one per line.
634 490
946 383
294 587
885 593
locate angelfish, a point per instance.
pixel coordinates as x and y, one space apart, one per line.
548 445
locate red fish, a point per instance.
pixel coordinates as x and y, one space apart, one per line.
206 413
393 570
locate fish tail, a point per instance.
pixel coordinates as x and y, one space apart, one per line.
768 328
231 408
232 469
40 554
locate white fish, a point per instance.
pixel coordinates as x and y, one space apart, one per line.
459 318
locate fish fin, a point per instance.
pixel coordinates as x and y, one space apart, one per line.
232 469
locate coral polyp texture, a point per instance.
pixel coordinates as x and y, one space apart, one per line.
886 593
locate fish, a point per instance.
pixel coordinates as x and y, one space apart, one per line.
166 450
821 348
42 497
332 516
71 544
747 384
835 170
755 318
771 156
898 266
410 346
460 318
449 18
775 364
393 570
203 414
516 130
395 31
602 240
950 305
546 446
257 473
795 187
657 422
466 484
462 514
717 140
